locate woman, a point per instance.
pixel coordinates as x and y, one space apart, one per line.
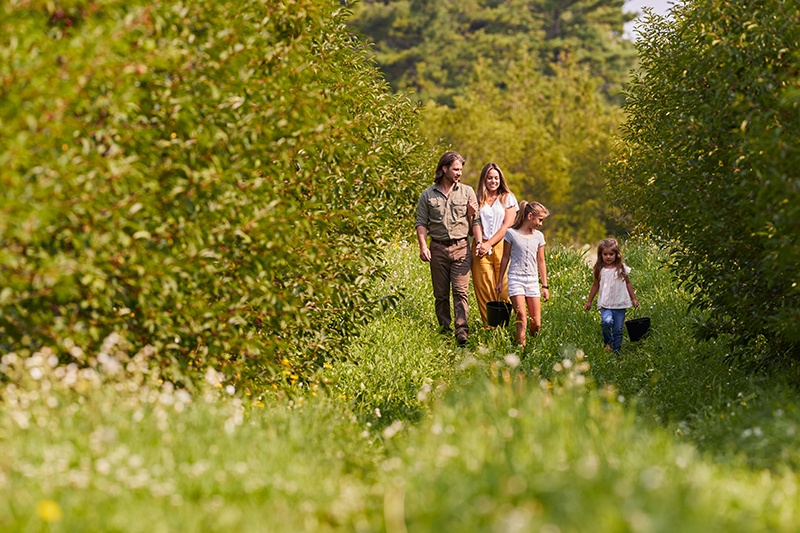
497 209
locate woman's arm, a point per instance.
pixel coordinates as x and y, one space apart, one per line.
508 220
543 273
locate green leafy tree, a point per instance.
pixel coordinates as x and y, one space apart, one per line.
709 163
567 55
550 135
209 179
431 46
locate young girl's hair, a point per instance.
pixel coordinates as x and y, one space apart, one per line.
613 245
502 190
528 208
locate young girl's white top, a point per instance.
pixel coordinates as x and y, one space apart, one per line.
613 293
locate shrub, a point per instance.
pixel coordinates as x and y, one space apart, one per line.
210 179
709 164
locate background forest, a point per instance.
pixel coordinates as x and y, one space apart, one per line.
532 85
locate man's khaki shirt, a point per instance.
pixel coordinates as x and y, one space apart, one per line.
445 217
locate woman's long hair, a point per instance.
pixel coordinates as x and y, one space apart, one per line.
502 190
613 245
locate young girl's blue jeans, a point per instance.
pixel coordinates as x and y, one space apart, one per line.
612 321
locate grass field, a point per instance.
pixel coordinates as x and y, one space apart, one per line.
415 434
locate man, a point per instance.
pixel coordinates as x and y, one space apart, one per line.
445 212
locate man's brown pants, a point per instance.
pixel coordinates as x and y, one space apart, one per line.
450 268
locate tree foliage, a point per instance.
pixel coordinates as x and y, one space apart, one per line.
709 162
550 135
431 46
529 84
207 178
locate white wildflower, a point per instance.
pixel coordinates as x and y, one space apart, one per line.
393 429
214 378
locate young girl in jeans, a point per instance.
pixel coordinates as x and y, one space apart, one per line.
616 292
523 255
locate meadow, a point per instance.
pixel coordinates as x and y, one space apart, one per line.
411 433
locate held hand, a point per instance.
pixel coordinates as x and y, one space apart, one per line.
635 302
499 288
425 254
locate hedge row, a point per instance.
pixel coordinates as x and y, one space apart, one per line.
212 179
710 163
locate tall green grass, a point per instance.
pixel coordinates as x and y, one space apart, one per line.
416 434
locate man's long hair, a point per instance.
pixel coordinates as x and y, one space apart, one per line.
445 161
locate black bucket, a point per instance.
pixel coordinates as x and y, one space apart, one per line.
498 313
638 328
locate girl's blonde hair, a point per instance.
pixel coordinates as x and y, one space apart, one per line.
528 208
502 190
618 265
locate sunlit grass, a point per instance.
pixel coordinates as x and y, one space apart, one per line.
414 433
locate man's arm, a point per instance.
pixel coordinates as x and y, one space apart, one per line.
477 232
422 238
422 228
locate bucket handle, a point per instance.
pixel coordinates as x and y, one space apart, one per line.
635 312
